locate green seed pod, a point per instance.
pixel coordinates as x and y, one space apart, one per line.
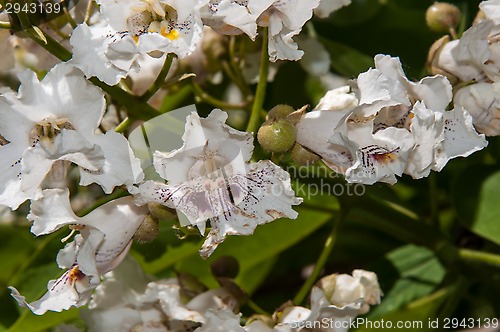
225 267
279 112
161 212
442 16
303 156
148 230
277 136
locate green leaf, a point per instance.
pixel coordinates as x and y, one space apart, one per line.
33 323
15 247
346 61
418 315
487 218
413 272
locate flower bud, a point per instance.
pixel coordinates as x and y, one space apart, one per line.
277 136
225 267
161 212
303 156
148 230
279 112
442 16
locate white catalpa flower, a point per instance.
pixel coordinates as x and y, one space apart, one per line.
285 19
480 47
392 126
105 237
491 10
53 121
221 321
481 101
110 50
326 7
336 299
210 178
233 17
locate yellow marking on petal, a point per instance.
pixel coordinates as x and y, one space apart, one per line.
385 158
75 274
172 34
136 39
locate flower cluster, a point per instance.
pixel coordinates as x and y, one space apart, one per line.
60 131
168 305
209 178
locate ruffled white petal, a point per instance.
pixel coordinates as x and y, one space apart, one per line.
326 7
90 45
120 165
460 138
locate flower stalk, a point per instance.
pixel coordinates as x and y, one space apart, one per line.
253 123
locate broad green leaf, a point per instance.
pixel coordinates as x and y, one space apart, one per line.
413 272
418 315
33 323
466 191
358 11
487 221
346 60
15 247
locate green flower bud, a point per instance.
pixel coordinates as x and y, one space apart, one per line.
279 112
225 267
277 136
161 212
442 16
148 230
303 156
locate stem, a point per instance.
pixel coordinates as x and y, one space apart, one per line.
205 97
256 308
260 94
136 108
234 63
123 125
71 21
108 198
327 249
5 25
475 256
433 199
88 12
160 79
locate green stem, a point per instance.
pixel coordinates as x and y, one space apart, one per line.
318 267
205 97
253 123
136 108
433 199
475 256
108 198
123 125
5 25
88 12
256 308
160 79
